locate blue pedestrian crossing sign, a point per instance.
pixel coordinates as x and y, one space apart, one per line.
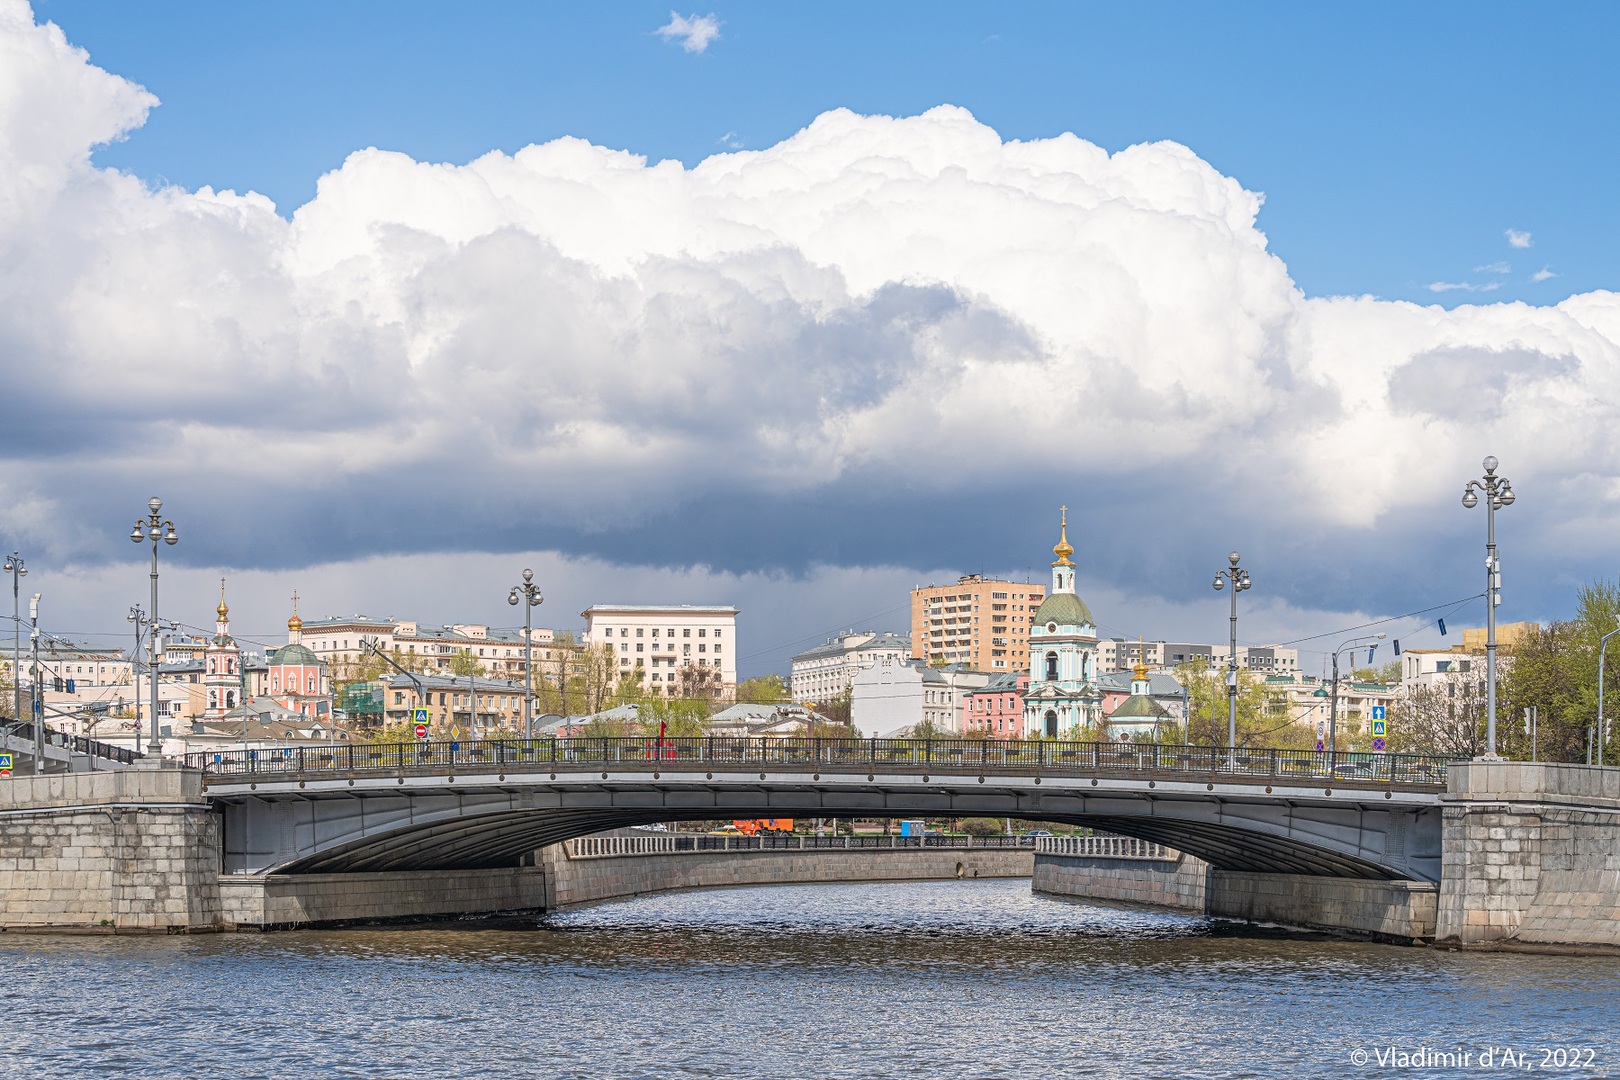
5 764
1379 727
1378 712
421 717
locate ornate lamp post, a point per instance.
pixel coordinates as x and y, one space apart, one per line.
15 567
153 527
1239 578
1498 493
527 594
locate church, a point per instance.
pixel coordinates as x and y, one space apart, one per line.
1063 695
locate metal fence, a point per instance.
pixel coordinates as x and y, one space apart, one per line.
603 847
954 756
78 744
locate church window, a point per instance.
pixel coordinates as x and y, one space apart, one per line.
1051 667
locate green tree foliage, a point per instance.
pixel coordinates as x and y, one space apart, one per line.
464 663
978 826
1447 717
1263 716
762 690
840 709
1556 670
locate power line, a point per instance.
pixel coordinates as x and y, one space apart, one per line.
1448 607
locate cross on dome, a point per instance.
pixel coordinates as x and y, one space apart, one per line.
1063 549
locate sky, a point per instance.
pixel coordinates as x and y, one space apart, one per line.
797 307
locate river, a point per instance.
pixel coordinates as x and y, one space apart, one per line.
929 979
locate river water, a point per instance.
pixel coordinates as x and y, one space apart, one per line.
936 979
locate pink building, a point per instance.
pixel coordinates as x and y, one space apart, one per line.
996 710
297 677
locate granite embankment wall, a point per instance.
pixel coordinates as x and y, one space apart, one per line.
574 881
1402 911
135 850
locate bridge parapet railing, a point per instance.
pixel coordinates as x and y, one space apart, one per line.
602 847
78 744
1104 846
968 756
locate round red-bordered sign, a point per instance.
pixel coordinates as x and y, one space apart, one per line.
421 731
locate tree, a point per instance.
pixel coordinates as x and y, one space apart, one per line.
463 662
1446 717
762 690
700 682
598 677
1263 716
839 710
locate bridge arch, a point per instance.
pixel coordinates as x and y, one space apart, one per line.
335 825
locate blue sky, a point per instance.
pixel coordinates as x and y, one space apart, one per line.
1395 143
859 355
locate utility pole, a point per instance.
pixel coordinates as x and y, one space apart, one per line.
1498 493
154 527
136 616
1240 581
15 567
38 702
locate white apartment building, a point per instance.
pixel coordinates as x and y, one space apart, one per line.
662 638
498 652
890 697
826 671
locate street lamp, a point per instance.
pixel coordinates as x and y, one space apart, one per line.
1498 493
153 527
1333 706
1239 578
530 592
15 567
1601 724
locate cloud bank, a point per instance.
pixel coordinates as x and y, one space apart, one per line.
881 342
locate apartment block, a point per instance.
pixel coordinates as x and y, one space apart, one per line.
982 623
826 671
662 638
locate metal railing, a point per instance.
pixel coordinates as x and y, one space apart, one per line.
956 756
606 847
78 744
1104 846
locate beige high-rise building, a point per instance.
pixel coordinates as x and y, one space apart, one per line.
980 622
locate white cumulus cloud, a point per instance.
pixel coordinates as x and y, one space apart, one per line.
1544 274
1517 239
694 33
1463 286
830 351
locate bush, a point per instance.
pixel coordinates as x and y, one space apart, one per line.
982 826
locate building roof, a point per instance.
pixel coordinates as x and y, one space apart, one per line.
1002 683
295 654
1065 609
1140 706
1159 684
836 646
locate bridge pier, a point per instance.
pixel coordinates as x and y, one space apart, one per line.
1530 856
130 851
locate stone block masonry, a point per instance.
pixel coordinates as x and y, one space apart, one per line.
132 851
1180 882
1531 856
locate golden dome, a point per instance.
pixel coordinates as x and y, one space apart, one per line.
1064 549
295 624
222 611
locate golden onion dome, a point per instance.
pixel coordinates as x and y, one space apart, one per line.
1063 549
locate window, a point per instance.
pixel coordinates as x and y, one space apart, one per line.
717 648
701 632
1051 670
638 646
655 631
624 631
717 633
638 632
686 631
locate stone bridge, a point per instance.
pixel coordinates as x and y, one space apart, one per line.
443 806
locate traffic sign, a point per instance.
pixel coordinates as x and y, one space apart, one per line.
1319 745
420 717
1378 727
1378 744
1378 712
5 764
421 731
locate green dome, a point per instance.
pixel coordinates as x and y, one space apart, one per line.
294 654
1139 705
1065 609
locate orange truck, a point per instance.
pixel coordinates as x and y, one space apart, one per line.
755 827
